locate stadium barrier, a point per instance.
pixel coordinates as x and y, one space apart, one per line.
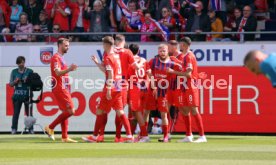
231 99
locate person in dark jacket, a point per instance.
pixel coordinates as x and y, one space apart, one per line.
98 20
198 22
247 23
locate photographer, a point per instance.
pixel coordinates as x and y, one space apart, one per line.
21 91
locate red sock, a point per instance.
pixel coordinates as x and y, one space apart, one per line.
104 124
98 124
126 124
146 125
63 116
144 131
199 123
187 121
165 130
118 125
169 121
64 128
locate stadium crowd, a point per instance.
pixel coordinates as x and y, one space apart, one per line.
145 16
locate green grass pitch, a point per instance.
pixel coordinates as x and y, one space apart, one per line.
228 150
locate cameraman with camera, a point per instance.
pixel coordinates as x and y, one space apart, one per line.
21 92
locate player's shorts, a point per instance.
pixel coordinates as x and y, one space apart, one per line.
191 97
64 100
124 96
137 99
175 97
151 102
115 103
162 104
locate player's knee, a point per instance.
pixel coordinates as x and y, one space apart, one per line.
71 111
194 110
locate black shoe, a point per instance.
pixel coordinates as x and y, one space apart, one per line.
31 131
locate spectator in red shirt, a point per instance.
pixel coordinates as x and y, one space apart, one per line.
78 23
60 13
5 13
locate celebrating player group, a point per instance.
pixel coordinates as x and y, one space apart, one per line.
168 79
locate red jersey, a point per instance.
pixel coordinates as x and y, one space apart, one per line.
59 83
60 19
126 58
139 75
189 61
159 71
112 63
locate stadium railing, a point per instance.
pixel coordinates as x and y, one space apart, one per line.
257 33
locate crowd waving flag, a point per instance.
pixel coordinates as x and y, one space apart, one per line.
133 16
215 5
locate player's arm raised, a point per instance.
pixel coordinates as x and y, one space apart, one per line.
100 66
60 72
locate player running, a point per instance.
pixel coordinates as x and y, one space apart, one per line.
61 90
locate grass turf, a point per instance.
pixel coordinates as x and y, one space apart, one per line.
39 150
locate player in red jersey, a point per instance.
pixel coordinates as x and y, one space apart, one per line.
127 60
111 96
191 94
138 90
159 66
61 90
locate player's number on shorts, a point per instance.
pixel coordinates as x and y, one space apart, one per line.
190 98
140 72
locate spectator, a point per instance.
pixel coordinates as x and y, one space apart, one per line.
48 6
16 11
160 4
198 22
23 27
216 26
247 23
33 9
168 21
116 13
148 26
5 13
243 3
60 13
131 21
6 38
186 8
21 92
56 36
45 25
78 23
219 6
37 38
98 20
231 23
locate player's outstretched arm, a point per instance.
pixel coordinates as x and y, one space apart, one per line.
187 73
72 67
100 66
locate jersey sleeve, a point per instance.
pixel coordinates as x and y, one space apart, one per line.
108 63
56 64
130 57
147 67
189 62
177 67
